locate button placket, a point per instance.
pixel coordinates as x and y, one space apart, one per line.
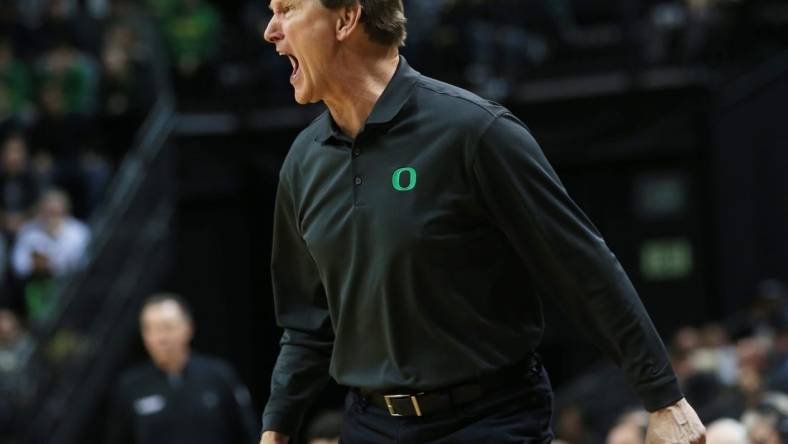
358 178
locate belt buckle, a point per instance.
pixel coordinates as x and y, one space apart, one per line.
413 401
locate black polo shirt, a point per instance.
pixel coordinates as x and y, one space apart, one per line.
204 404
414 257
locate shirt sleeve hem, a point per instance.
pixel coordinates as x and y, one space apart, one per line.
281 423
660 396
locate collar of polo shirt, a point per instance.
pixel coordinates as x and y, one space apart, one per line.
394 97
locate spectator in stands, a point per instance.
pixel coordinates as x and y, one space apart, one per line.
763 426
49 246
67 20
14 342
125 91
629 429
726 431
16 83
625 434
180 396
193 35
74 73
65 138
163 9
19 189
53 243
325 428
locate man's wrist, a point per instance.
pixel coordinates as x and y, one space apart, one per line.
658 396
280 423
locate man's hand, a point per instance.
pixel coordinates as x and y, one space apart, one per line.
675 424
271 437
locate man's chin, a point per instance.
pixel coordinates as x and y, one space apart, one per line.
304 97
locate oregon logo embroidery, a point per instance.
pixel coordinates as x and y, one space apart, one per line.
396 179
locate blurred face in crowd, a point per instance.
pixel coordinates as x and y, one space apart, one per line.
14 155
6 53
53 210
764 433
166 332
306 32
52 99
726 431
115 59
625 434
9 327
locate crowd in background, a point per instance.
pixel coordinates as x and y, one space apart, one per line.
76 82
492 47
734 373
74 85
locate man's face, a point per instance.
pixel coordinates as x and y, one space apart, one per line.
304 31
166 331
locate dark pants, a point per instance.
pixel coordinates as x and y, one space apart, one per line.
519 412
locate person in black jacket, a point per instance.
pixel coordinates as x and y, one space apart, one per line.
180 397
417 228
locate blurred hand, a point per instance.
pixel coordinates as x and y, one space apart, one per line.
675 424
40 263
271 437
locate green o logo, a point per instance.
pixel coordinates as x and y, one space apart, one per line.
395 179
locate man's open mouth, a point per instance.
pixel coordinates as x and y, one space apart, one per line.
294 62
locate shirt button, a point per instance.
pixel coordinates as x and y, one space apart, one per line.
357 180
356 152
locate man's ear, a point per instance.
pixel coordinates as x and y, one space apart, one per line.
349 20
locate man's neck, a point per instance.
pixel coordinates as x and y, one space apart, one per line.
175 365
360 84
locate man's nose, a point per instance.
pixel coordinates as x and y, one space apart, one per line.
273 32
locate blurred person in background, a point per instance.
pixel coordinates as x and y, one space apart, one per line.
179 396
49 246
761 428
726 431
626 433
65 139
14 343
126 90
17 84
74 73
19 188
630 429
193 35
67 19
496 217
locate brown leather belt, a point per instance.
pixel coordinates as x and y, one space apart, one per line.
425 403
